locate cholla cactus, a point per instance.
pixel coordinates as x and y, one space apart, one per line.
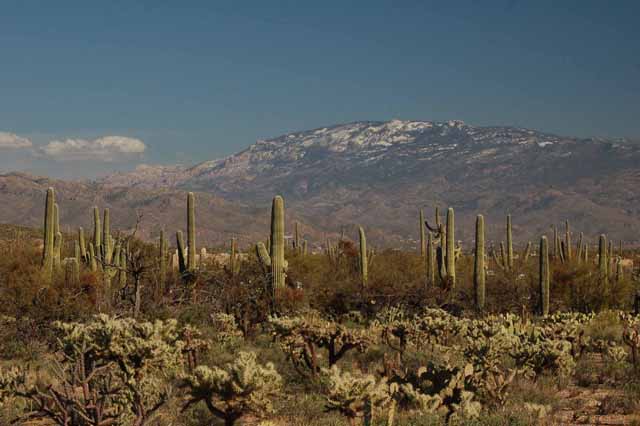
226 329
122 366
438 389
301 338
355 396
242 387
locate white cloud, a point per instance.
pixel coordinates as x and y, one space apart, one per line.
13 141
108 149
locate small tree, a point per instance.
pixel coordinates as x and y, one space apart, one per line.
242 387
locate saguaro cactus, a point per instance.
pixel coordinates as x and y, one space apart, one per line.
364 263
191 231
603 262
479 266
182 264
509 260
451 249
431 260
544 276
296 238
97 231
423 242
277 245
82 244
567 243
57 248
49 235
107 248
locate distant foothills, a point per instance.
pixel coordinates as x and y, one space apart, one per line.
375 174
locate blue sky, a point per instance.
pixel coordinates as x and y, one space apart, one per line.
196 80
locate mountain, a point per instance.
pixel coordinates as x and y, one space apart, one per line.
379 174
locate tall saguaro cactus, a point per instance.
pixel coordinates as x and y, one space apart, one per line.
57 248
603 261
479 266
451 249
107 248
364 263
97 231
277 245
567 243
191 231
82 245
431 260
423 248
49 234
509 260
544 276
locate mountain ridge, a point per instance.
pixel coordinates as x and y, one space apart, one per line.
380 173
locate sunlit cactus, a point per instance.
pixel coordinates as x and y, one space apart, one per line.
509 259
479 266
363 261
182 264
451 252
49 234
191 232
544 274
57 250
603 266
277 245
82 245
97 231
423 241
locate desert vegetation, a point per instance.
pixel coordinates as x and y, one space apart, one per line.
102 328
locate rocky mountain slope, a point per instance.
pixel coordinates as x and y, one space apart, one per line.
379 174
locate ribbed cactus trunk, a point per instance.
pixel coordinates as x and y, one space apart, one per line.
122 274
191 231
76 250
72 271
556 243
479 265
93 263
451 249
296 238
527 253
603 266
277 245
509 260
364 264
423 242
57 249
431 260
49 234
83 245
182 264
107 248
97 232
544 274
580 249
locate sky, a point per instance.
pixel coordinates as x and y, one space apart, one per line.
91 87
